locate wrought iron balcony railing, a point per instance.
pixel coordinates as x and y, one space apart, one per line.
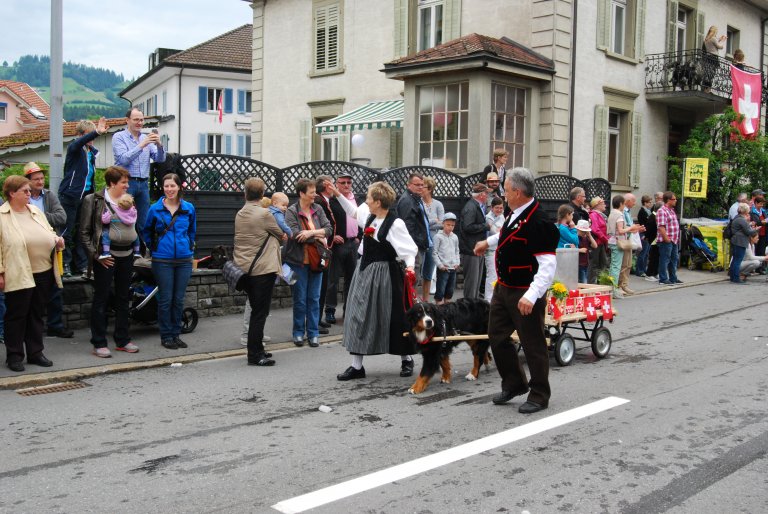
691 70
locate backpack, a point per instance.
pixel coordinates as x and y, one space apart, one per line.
728 231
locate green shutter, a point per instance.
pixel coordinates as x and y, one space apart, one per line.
401 28
634 163
603 23
343 154
671 25
452 20
701 29
305 140
395 147
640 30
600 155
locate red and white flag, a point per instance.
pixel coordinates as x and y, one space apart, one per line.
747 92
220 108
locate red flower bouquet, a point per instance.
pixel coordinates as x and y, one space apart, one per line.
369 231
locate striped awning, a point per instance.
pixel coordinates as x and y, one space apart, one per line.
384 114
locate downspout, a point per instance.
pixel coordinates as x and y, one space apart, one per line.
181 71
762 63
573 88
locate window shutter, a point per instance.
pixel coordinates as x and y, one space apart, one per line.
305 140
603 23
671 25
452 20
228 144
241 144
202 99
241 101
401 28
343 154
228 101
395 147
600 151
640 30
327 20
165 103
634 164
701 30
202 140
154 105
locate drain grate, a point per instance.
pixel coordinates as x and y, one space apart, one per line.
51 388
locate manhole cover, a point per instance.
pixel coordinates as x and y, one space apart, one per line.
51 388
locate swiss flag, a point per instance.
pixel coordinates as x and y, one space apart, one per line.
747 92
220 107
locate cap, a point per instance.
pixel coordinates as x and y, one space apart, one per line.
344 174
32 167
596 200
583 226
492 176
479 188
449 216
756 192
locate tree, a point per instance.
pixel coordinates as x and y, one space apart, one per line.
735 164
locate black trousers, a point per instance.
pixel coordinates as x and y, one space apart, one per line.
343 264
259 292
505 318
24 318
120 273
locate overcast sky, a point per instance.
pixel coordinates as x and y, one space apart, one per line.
117 34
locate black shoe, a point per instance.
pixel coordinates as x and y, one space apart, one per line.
313 342
40 360
530 408
406 368
170 344
180 343
62 332
323 331
330 317
263 361
16 366
505 395
323 324
351 373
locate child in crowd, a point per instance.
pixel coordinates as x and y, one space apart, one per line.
586 244
446 255
567 227
494 220
117 219
279 204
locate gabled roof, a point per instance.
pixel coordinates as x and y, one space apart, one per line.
29 99
229 50
40 135
474 46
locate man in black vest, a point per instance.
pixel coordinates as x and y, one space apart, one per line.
525 265
345 243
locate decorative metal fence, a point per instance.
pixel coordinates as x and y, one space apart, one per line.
214 184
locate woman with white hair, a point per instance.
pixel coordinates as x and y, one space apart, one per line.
741 233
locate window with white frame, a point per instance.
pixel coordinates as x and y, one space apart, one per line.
329 148
618 25
621 27
165 102
443 125
3 111
214 94
248 97
213 143
430 24
681 29
327 35
614 144
732 43
149 111
508 118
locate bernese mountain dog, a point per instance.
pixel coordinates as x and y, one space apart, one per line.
428 323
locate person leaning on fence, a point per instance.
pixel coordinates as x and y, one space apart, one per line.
170 231
256 231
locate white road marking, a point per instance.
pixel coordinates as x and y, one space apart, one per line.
423 464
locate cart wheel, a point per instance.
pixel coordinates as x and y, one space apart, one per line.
188 320
601 342
565 349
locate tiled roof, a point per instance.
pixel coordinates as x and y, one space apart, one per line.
30 97
230 50
476 44
41 134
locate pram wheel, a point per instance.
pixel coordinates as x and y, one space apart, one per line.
189 319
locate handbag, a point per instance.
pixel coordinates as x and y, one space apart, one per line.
637 243
234 276
624 244
318 254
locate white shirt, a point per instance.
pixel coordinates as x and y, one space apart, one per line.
547 263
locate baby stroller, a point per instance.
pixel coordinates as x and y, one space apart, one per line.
699 252
144 304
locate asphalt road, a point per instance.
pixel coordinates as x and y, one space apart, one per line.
678 425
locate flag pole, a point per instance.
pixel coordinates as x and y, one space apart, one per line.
682 189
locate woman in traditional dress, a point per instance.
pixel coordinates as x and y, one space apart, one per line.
375 317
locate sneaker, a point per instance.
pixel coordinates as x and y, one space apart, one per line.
102 352
104 256
678 282
128 348
643 275
298 341
323 324
651 278
67 272
170 344
330 318
323 331
180 343
313 342
666 283
618 294
406 368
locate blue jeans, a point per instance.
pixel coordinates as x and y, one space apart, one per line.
641 265
668 258
139 189
737 255
428 266
75 256
583 273
446 282
172 279
2 315
306 301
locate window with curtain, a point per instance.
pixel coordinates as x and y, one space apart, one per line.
508 118
443 125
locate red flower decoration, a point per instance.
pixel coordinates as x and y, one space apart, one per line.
369 231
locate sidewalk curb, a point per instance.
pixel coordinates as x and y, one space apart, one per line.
73 375
681 286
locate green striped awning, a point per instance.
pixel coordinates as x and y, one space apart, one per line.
385 114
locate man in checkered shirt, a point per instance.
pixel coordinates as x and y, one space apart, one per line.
667 239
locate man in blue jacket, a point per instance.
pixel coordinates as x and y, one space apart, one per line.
78 181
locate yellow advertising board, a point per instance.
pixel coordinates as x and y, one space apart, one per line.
695 180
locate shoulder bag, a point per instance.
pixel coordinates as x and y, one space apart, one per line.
234 276
318 254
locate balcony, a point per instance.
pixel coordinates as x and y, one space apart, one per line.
692 80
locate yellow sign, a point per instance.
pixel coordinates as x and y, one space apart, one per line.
695 181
